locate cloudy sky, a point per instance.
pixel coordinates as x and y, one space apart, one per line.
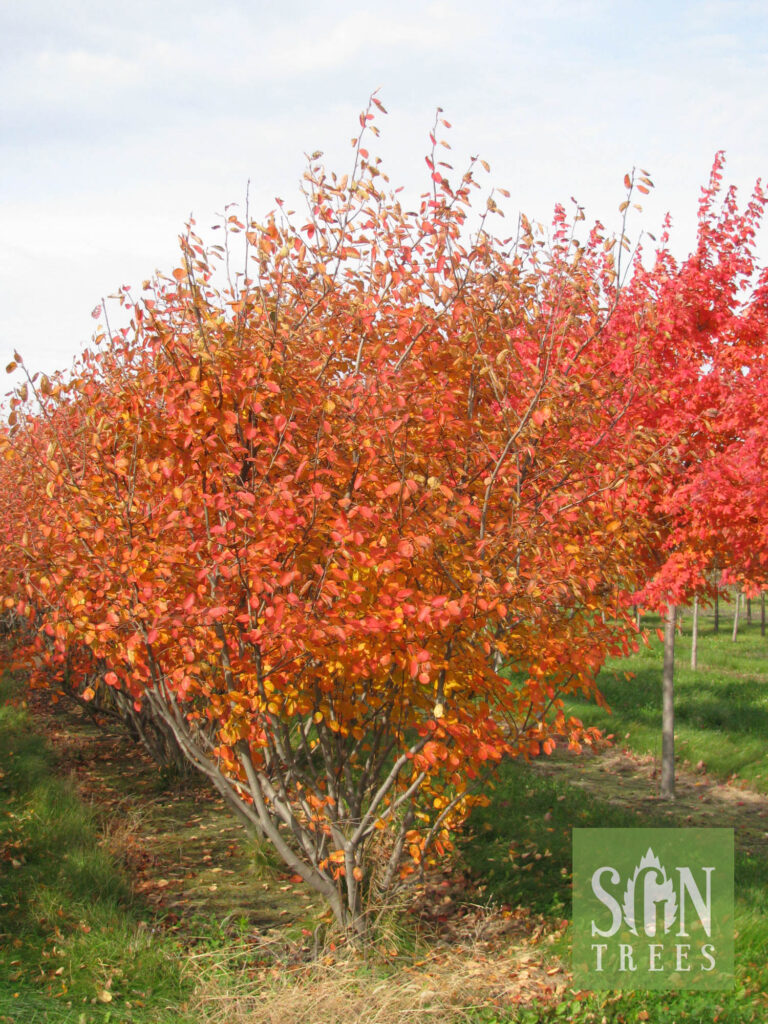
121 120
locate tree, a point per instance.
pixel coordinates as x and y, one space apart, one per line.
695 633
668 708
38 540
711 313
307 515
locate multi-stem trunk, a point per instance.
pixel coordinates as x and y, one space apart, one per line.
269 803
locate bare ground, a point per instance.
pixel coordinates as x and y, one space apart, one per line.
625 779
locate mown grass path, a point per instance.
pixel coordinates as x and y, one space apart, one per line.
185 853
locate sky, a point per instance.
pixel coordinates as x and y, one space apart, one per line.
120 121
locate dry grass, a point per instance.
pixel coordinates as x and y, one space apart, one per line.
495 970
123 831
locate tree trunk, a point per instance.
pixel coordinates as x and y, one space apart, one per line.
668 709
695 634
749 611
736 618
762 614
717 609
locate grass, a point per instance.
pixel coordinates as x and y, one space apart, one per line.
520 845
144 907
525 858
721 709
75 946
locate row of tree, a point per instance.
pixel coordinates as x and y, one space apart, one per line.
343 528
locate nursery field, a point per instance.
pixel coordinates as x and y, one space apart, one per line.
334 530
721 708
125 897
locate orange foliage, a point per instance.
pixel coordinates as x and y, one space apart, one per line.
311 512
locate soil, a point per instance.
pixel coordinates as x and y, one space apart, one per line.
626 779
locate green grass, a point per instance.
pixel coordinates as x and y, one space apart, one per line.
520 845
75 947
721 709
72 935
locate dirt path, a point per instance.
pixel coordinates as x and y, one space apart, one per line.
625 779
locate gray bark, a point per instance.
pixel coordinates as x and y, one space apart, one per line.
668 709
